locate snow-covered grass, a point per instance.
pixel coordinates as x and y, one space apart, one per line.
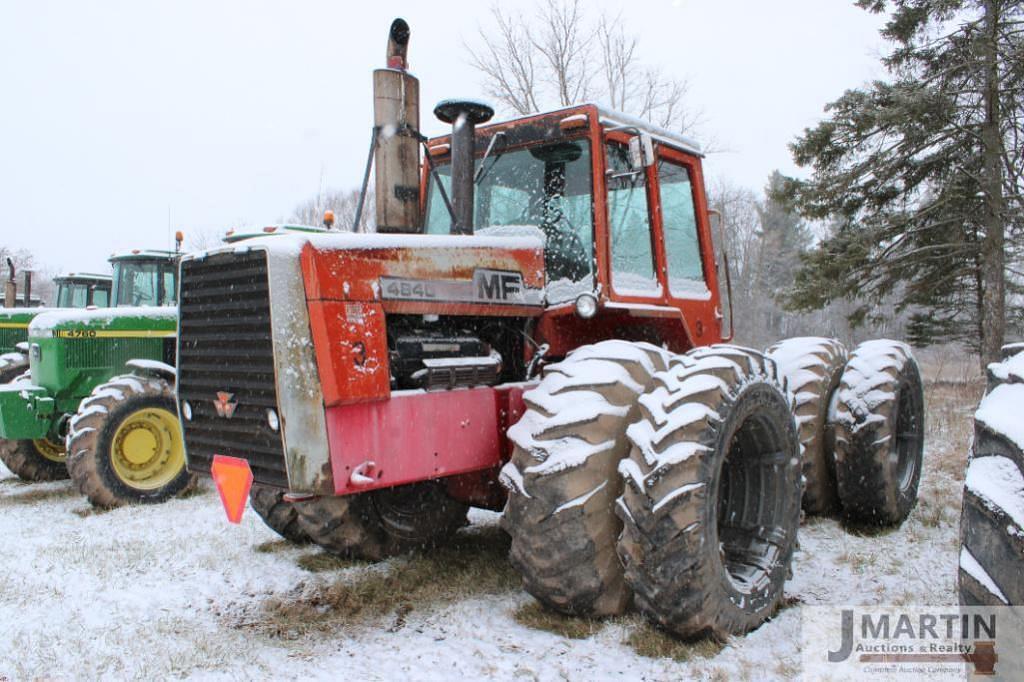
151 592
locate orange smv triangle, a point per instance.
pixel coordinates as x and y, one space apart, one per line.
233 478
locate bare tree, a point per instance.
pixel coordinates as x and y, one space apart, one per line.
203 238
555 55
344 204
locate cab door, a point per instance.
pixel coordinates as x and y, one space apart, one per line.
686 254
633 273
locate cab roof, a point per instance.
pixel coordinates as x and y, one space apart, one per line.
82 277
609 118
143 254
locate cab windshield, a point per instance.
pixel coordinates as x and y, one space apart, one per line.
546 186
72 296
77 295
145 283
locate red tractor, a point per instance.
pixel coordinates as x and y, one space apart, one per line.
536 327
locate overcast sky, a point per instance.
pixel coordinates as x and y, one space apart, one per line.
114 114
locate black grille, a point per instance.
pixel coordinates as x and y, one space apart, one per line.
225 347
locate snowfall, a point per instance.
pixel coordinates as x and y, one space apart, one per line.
174 590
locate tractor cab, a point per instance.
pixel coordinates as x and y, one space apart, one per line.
621 207
145 278
82 290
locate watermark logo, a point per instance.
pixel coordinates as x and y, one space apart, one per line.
913 642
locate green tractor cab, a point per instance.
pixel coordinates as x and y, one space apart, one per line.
83 290
73 353
76 290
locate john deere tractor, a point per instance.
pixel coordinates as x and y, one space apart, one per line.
102 381
76 290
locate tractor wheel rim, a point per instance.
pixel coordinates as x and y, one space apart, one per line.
906 435
50 450
147 452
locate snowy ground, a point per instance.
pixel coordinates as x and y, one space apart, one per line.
173 590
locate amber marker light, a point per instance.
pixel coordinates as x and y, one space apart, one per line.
233 479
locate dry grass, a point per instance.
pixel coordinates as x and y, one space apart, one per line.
474 564
534 615
650 641
273 546
38 494
322 562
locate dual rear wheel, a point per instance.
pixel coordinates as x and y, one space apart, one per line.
703 503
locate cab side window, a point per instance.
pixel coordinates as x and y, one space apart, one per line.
100 297
633 270
679 222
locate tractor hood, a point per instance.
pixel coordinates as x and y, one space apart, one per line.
141 322
310 330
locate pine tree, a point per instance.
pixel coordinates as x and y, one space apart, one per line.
921 175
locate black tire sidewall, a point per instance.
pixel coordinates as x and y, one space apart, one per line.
104 467
910 380
753 606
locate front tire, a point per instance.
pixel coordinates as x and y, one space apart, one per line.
281 516
30 460
879 432
563 478
34 460
125 444
711 505
382 523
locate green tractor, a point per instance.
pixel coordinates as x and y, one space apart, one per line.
76 290
102 388
102 382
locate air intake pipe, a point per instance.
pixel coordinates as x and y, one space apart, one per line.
396 119
464 116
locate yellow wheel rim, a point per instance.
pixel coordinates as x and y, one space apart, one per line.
147 452
50 450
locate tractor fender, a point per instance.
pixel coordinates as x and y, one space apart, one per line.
154 369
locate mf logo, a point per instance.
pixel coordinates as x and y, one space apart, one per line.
498 285
224 405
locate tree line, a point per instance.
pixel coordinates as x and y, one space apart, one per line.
908 221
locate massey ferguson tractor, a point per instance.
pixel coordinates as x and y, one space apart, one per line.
77 290
537 328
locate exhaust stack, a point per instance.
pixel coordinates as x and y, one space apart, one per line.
10 286
396 117
28 288
465 116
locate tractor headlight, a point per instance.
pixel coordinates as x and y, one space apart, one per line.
35 352
586 306
272 420
186 410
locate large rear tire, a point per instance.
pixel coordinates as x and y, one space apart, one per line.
711 505
563 479
879 432
281 516
992 522
382 523
811 368
125 444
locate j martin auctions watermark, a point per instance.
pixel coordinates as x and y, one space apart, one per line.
912 642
